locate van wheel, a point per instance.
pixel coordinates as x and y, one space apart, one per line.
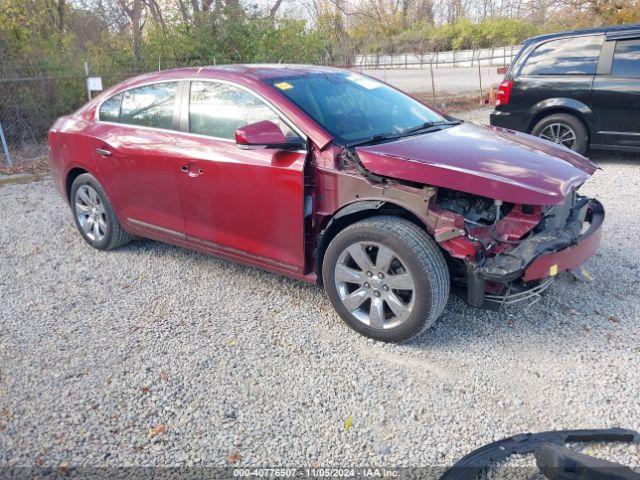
94 215
563 129
386 278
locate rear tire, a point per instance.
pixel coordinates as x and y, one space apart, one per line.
562 127
94 216
386 278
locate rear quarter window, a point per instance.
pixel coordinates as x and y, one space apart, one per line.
626 59
565 56
110 109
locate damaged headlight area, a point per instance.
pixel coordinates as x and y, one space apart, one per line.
504 253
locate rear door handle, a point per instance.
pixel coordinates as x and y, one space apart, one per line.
103 152
191 173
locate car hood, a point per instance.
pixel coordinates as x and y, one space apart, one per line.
487 161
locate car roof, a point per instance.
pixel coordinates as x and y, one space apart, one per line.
264 71
622 30
256 71
241 73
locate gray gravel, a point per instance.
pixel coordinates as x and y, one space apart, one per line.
156 355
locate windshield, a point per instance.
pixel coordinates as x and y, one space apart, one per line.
352 107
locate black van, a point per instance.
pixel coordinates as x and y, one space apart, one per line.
579 88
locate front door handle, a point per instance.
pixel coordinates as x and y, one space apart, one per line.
191 173
104 152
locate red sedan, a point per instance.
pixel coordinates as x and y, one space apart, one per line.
332 177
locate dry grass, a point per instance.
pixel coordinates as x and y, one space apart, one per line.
30 158
451 104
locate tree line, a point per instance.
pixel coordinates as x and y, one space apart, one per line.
44 43
137 35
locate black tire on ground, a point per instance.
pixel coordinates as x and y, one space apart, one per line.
114 236
423 260
582 136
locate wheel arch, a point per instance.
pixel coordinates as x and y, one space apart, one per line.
352 213
568 106
72 174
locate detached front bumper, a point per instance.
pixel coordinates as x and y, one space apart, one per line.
527 270
572 257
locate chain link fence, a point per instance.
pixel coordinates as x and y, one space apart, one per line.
31 99
29 104
442 77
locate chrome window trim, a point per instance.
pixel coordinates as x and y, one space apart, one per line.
608 132
267 102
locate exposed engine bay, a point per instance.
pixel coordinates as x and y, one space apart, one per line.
499 252
477 211
498 240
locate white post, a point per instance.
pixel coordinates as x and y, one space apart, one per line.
433 85
86 74
5 147
480 80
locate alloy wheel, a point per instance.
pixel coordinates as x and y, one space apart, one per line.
90 213
374 285
559 133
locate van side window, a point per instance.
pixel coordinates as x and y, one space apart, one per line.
110 109
626 59
565 56
149 105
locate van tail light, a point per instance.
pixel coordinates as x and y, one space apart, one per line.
504 93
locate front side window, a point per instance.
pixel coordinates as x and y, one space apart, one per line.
565 56
110 109
218 109
149 105
626 59
352 107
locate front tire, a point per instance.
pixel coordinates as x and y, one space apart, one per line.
94 216
386 278
563 129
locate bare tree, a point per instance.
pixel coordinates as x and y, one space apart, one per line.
134 11
156 13
201 5
274 8
184 11
56 9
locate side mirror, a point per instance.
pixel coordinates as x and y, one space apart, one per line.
265 134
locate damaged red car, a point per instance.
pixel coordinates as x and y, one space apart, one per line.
331 177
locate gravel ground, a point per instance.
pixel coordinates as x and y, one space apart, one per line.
156 355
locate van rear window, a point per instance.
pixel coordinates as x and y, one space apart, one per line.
565 56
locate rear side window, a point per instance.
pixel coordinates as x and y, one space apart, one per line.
218 109
626 59
110 109
565 56
149 105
